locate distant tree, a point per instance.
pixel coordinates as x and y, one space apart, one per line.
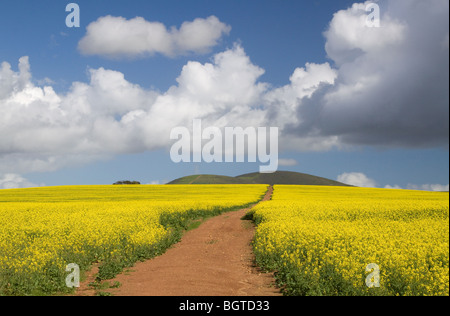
126 182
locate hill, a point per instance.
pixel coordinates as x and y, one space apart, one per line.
279 177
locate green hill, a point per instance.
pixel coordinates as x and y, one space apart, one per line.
207 179
279 177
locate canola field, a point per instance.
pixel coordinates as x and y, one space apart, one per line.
43 230
355 241
319 240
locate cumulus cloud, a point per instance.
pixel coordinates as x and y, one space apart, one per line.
428 187
383 86
282 103
41 130
357 179
391 87
14 181
393 187
423 187
116 37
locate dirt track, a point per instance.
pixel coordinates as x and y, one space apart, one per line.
215 259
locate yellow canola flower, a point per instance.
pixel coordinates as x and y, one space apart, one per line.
321 240
44 229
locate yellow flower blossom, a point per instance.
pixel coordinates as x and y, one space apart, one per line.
320 239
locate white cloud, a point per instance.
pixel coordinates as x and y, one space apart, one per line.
385 86
14 181
428 187
283 103
422 187
393 187
392 82
357 179
117 37
41 130
349 37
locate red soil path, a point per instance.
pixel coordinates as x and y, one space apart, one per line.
215 259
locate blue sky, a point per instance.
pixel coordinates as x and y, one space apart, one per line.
91 105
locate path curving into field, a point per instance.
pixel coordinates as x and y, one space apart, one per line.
215 259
